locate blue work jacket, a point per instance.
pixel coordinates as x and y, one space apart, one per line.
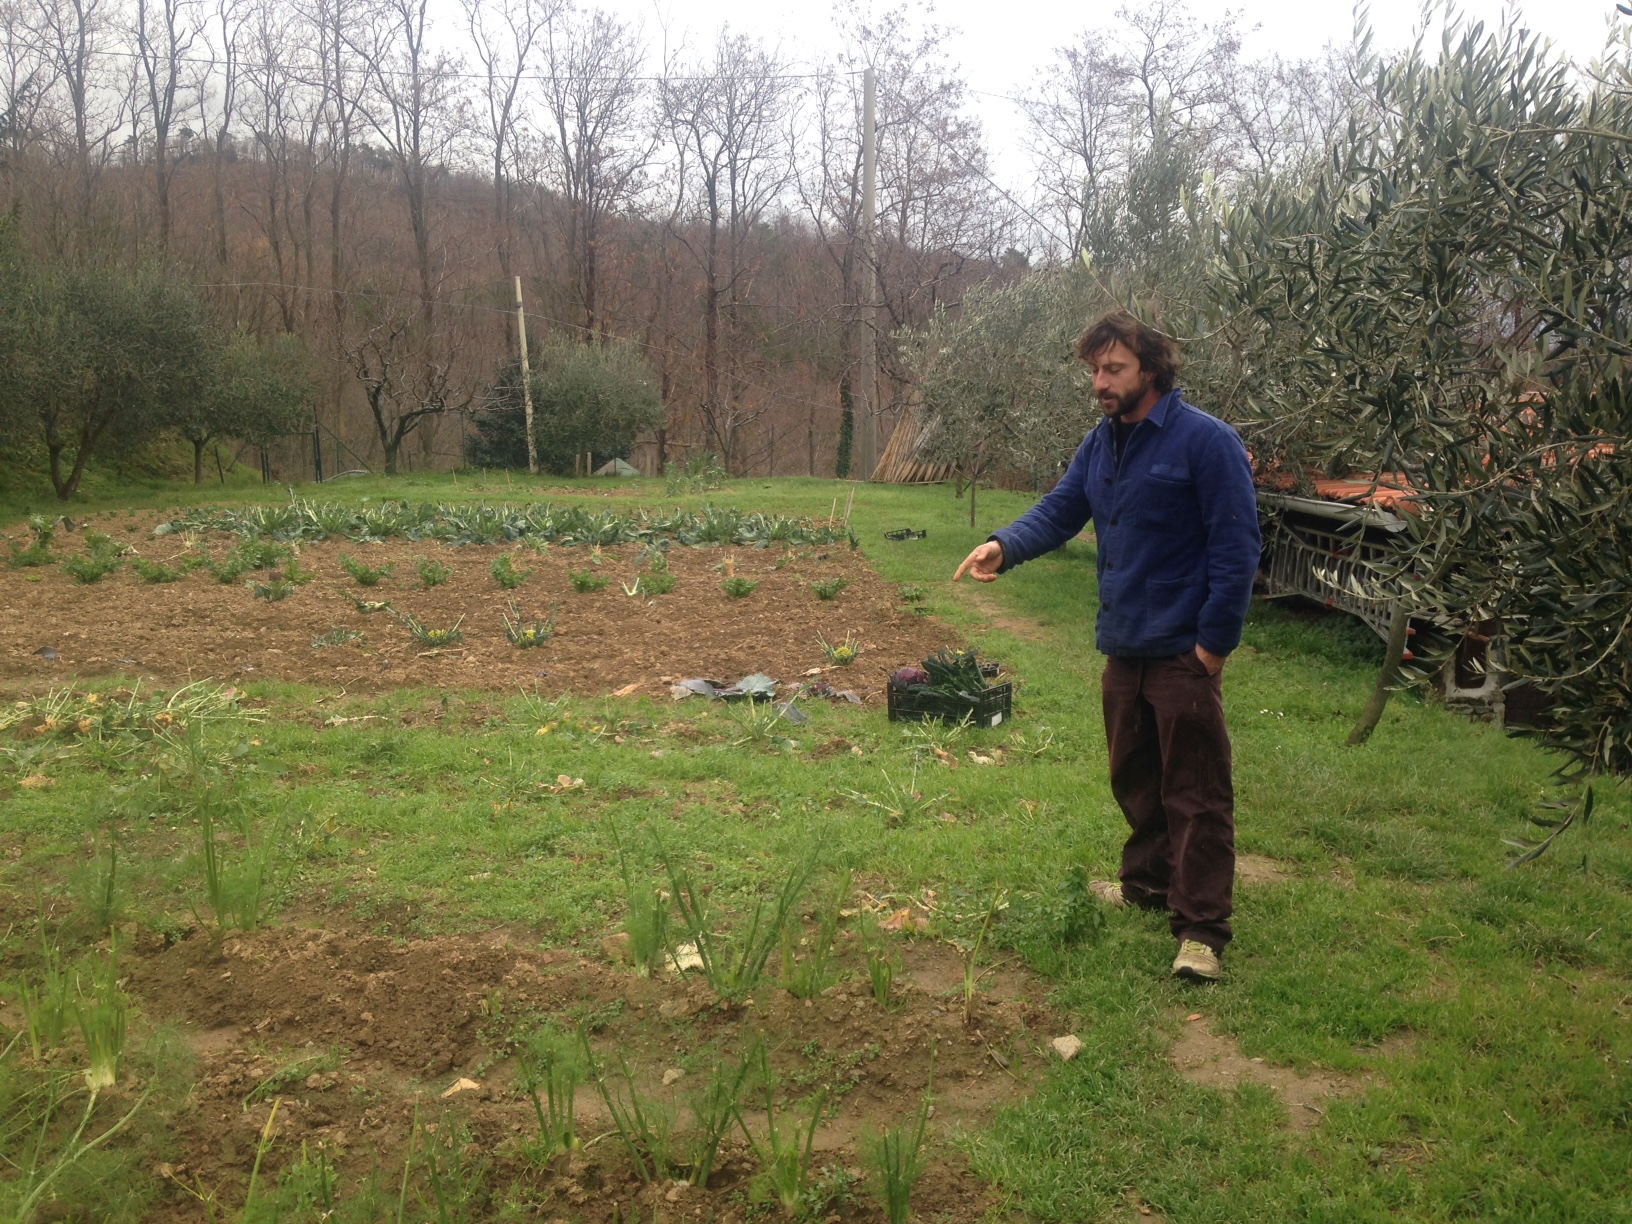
1177 528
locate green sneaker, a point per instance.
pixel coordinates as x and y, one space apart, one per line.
1196 961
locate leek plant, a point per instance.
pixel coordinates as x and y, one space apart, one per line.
549 1061
733 965
101 1013
784 1156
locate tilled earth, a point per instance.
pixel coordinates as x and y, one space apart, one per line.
605 640
354 1036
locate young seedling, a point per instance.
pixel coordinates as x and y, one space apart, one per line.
829 588
368 606
47 1008
807 978
100 897
912 593
340 636
733 965
714 1111
524 633
584 581
758 722
101 1013
102 556
549 1060
845 653
155 572
900 802
86 569
365 575
431 573
897 1159
784 1158
431 636
646 1126
238 894
38 551
971 958
506 574
657 580
647 919
883 965
275 591
738 588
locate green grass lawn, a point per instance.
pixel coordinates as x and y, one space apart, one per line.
1484 1014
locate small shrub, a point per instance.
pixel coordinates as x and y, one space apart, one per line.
228 570
525 633
38 551
584 580
431 573
102 556
365 575
275 591
155 571
829 588
506 574
87 569
738 588
657 580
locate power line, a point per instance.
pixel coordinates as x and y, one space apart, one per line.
309 70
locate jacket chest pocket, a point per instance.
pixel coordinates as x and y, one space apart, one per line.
1167 496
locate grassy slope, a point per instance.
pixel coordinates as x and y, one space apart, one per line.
1507 1095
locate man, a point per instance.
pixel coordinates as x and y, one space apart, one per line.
1169 490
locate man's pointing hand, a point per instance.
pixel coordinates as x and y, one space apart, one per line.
982 564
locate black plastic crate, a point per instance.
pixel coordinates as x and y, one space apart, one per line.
987 708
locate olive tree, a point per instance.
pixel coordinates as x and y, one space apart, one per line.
1450 298
254 392
1000 380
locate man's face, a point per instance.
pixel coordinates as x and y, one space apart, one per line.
1118 380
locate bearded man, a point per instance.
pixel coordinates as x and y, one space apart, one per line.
1169 490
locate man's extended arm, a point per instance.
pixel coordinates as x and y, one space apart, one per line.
1056 518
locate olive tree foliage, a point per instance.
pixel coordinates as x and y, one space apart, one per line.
1003 388
1450 298
93 359
586 398
253 391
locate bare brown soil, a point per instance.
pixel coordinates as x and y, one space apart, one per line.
1205 1057
605 640
403 1023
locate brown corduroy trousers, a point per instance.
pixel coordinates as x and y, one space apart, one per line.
1170 773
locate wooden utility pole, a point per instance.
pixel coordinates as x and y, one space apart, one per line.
867 417
526 382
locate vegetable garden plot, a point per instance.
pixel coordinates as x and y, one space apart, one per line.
265 600
360 1038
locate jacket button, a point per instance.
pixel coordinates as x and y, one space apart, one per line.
1116 522
1110 565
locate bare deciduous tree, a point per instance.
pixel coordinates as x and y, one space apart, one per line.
599 143
728 114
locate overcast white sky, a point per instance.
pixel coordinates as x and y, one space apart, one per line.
1001 43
